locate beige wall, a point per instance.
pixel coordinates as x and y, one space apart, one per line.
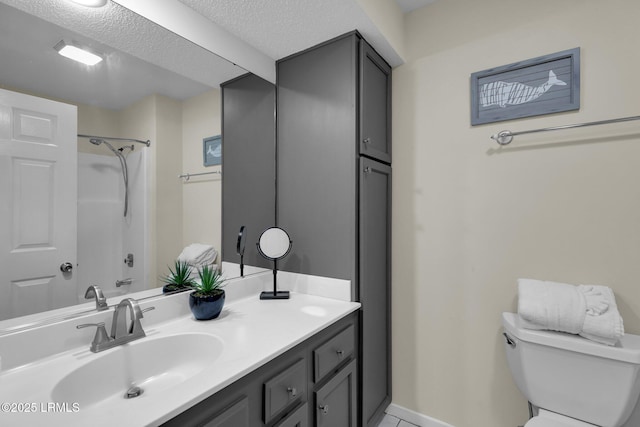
168 194
470 218
388 17
202 195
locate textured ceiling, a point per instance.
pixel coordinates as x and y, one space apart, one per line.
282 27
143 58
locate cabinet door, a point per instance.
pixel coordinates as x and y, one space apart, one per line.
237 415
375 105
336 401
374 287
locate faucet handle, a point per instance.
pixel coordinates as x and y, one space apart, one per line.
94 291
100 338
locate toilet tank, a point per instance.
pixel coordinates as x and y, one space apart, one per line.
573 376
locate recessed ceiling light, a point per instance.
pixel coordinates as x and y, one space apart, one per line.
91 3
77 53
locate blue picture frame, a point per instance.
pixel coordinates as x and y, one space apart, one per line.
212 150
544 85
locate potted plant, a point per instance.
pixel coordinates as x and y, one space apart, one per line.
178 279
207 299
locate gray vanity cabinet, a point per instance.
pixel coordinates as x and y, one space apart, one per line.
292 390
248 165
334 187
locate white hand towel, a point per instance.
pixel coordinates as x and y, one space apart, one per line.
551 305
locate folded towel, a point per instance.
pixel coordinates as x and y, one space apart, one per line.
606 327
587 310
554 306
198 254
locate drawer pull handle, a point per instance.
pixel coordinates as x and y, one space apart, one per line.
292 391
340 354
324 409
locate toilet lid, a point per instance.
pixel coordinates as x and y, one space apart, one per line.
550 419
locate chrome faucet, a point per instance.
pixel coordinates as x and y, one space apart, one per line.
94 291
122 331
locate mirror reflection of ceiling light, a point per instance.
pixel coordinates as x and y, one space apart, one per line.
77 53
91 3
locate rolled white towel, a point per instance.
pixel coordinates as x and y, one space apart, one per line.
551 305
198 254
587 310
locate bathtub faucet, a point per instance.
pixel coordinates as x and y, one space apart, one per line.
127 281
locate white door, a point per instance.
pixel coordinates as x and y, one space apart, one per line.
38 204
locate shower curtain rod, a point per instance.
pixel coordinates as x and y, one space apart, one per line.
506 136
147 142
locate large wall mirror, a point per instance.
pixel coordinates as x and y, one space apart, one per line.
151 85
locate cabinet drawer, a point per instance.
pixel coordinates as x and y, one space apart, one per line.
332 353
300 418
283 390
237 415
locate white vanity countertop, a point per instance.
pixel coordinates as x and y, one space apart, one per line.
252 333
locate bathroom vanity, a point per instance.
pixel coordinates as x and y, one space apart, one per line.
285 363
314 383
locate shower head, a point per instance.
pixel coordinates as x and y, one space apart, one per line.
96 141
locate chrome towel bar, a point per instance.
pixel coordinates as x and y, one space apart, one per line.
187 176
506 136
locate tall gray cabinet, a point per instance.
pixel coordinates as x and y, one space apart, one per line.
334 187
248 165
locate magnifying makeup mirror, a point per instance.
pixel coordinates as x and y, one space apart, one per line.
242 237
274 244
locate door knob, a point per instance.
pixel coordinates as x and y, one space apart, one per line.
66 267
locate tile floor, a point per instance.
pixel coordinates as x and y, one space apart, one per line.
391 421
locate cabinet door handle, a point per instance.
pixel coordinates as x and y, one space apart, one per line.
367 169
340 354
324 409
292 391
367 140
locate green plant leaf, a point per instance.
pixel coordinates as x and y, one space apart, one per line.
180 276
211 281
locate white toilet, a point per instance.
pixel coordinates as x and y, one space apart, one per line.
573 381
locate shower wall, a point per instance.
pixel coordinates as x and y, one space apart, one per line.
105 236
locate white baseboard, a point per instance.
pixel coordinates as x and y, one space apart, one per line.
414 417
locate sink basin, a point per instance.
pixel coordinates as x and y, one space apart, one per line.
151 364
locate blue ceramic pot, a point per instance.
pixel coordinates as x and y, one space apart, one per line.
206 308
